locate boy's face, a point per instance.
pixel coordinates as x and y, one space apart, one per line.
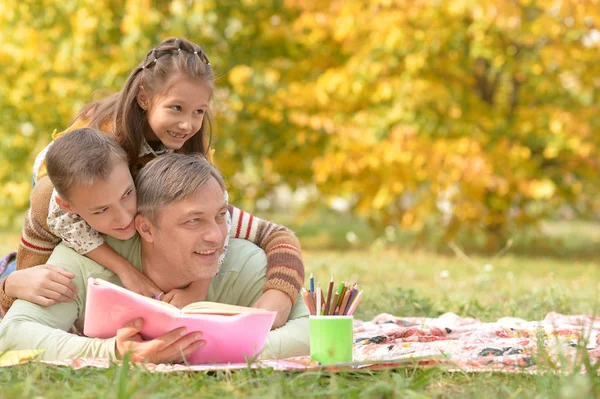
108 206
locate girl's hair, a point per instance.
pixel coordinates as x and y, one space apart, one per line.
128 119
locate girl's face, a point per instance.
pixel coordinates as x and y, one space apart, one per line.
177 115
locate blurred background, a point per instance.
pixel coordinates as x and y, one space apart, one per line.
365 124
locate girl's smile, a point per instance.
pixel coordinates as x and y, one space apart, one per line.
177 116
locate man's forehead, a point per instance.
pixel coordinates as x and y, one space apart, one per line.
206 199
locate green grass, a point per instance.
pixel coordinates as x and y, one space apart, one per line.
397 280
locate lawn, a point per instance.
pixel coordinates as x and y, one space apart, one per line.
399 280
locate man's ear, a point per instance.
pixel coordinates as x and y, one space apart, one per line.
142 98
63 204
145 228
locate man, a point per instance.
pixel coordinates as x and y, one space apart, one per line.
181 225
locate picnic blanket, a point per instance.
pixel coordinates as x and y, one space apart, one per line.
455 343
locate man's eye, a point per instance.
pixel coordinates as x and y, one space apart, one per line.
223 214
128 193
194 220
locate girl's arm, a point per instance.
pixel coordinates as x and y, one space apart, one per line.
285 269
37 240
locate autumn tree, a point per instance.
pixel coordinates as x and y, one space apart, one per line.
465 115
481 114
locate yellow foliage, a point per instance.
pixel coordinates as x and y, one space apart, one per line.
396 104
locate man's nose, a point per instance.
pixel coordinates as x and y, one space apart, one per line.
214 234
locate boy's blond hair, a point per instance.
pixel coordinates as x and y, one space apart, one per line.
81 157
170 178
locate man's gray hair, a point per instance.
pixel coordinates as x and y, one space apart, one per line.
170 178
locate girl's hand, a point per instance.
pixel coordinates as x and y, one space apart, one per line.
43 285
195 292
179 297
135 281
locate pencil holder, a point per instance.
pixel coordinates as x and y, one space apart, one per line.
331 339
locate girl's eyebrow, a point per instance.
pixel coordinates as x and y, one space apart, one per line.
182 100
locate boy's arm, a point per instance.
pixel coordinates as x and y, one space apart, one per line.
285 269
77 234
37 240
131 277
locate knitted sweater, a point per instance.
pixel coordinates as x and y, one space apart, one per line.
285 268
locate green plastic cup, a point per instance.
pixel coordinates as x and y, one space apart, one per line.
331 339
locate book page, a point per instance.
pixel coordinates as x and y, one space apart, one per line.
216 308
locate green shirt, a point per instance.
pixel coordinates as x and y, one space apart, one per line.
239 282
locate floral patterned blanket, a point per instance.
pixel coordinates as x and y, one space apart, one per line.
557 343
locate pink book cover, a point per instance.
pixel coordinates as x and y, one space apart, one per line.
229 339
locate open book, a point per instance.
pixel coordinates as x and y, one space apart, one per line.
232 333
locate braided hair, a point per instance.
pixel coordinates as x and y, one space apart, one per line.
122 111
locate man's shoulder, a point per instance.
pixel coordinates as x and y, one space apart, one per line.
128 249
243 255
73 262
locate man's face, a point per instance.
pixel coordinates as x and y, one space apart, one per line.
190 234
108 206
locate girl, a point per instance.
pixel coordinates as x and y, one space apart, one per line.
163 107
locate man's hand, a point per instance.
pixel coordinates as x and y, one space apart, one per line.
43 285
135 281
174 346
277 301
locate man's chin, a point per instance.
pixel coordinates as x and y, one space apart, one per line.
204 271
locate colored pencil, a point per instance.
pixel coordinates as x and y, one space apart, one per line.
309 302
341 291
329 292
322 301
344 302
319 293
353 293
312 283
333 304
355 303
343 295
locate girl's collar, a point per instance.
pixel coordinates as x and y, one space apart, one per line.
145 149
